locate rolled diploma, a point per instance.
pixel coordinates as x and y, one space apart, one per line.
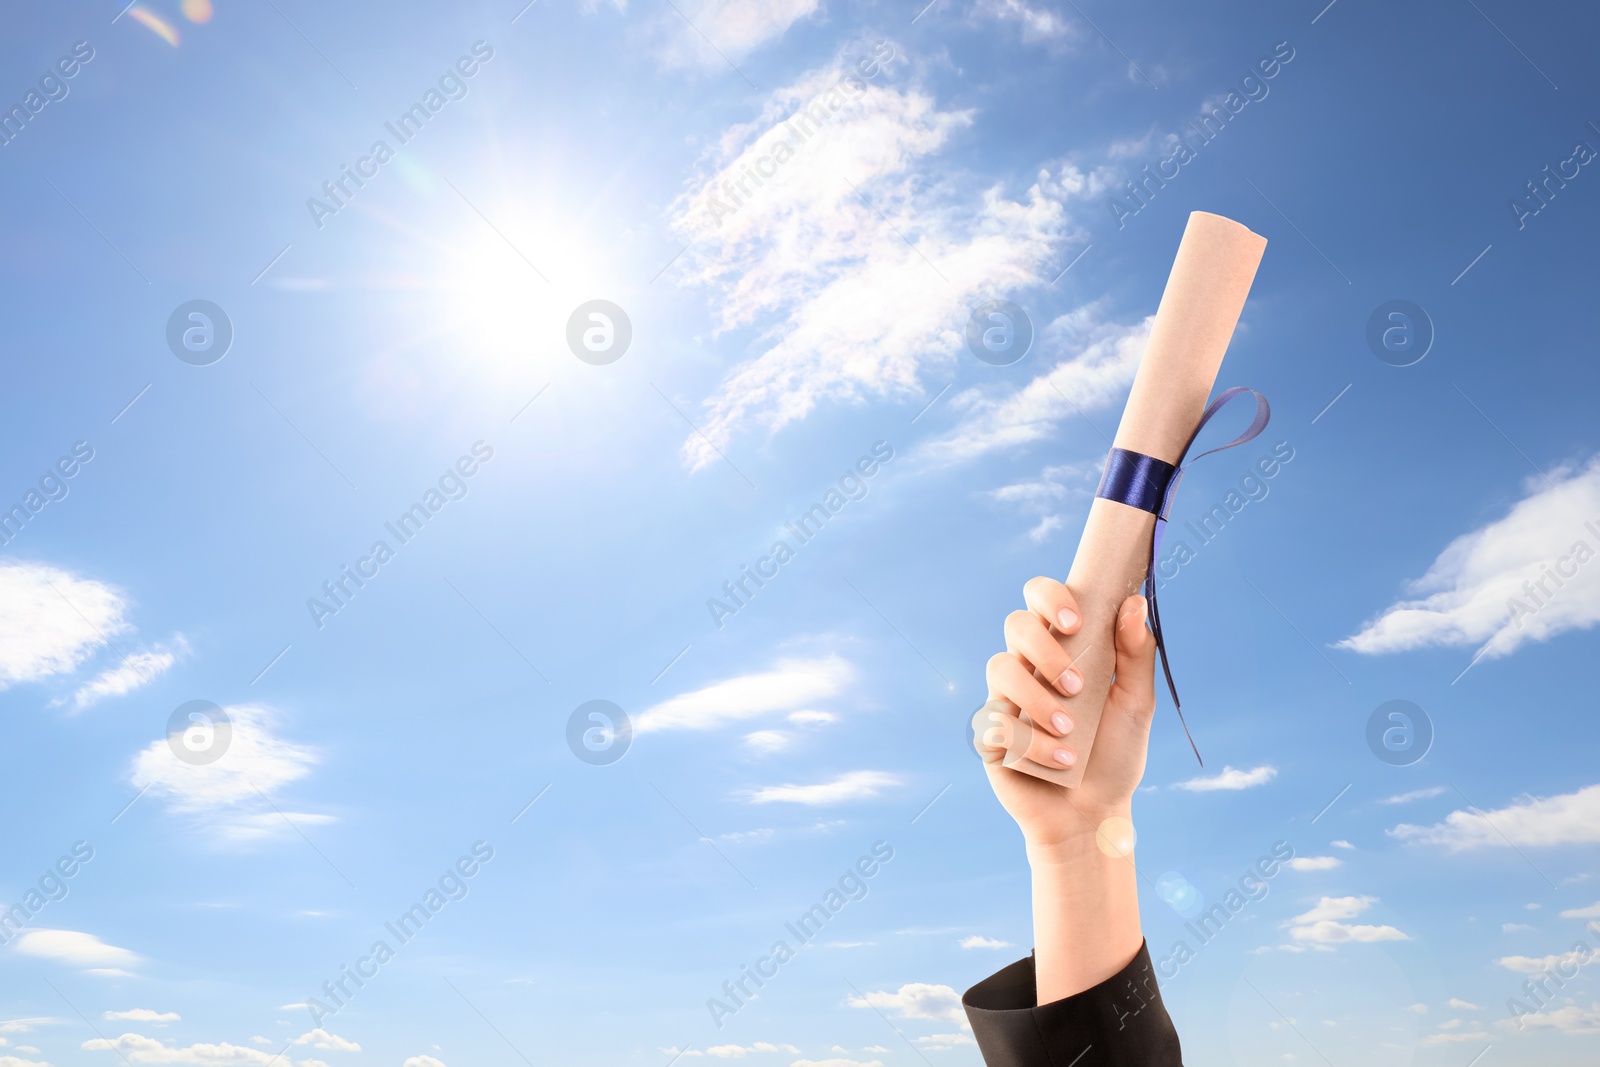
1205 294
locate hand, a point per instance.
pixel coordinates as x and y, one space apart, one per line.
1053 817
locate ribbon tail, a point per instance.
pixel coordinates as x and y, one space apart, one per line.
1161 643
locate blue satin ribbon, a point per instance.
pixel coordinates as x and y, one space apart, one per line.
1150 484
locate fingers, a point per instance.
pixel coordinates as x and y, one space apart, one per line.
1136 656
1010 678
1054 603
1029 637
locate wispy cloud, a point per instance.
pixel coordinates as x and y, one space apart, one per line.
1229 778
52 620
789 684
141 1015
1417 794
850 786
1036 23
129 673
1532 822
1540 555
232 795
76 949
1314 863
1095 358
857 269
712 33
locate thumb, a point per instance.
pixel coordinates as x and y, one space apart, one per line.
1134 686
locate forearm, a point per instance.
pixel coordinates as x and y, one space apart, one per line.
1085 914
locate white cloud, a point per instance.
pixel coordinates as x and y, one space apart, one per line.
1567 1019
1038 23
1097 361
230 793
765 741
978 941
837 1063
1514 928
738 1051
141 1015
1591 912
1469 596
1229 779
857 268
26 1026
1570 1019
320 1038
1417 794
811 717
1462 1005
1335 908
916 1000
1451 1036
1568 819
725 31
1341 844
852 785
18 1061
1565 961
790 684
1314 863
1322 925
52 620
422 1061
940 1042
76 949
132 671
141 1051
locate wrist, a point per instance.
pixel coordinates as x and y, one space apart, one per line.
1106 834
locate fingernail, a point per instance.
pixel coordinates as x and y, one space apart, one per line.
1070 682
1065 758
1061 723
1067 618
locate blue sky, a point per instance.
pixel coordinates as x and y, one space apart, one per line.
781 345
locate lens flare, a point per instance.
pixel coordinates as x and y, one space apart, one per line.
156 25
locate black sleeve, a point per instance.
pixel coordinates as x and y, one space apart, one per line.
1119 1023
